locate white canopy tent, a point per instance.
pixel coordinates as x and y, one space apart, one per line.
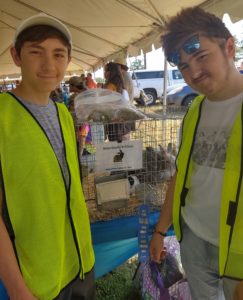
102 29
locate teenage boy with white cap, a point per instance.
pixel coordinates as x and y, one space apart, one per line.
45 241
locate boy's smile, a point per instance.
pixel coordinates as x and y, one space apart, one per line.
43 65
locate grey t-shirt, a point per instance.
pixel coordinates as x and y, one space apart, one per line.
47 117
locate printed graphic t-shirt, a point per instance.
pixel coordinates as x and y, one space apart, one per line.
202 210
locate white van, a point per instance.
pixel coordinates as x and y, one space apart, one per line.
152 82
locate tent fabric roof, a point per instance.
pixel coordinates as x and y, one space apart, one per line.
102 30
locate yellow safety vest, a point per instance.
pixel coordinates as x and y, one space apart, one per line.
50 223
231 212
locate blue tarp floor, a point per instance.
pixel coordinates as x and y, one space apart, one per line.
115 241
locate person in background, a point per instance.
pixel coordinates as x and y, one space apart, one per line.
84 135
114 80
83 132
75 87
83 80
90 83
45 240
65 94
205 197
100 85
128 84
57 95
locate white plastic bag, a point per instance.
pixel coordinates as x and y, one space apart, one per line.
103 105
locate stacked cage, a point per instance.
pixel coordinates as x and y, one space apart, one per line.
126 164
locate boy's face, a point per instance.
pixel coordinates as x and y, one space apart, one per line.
43 64
207 69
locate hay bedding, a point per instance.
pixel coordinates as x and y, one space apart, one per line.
97 213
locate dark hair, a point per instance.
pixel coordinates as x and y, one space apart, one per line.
189 21
115 76
40 33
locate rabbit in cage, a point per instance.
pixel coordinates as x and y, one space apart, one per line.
133 183
159 164
170 160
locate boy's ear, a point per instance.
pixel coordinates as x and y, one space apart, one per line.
230 47
15 56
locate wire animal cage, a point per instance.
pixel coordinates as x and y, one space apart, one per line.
126 164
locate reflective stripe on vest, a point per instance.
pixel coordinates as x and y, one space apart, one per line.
231 213
51 230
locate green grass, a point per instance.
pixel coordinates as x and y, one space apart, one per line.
118 284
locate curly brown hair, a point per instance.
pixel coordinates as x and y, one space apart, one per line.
190 21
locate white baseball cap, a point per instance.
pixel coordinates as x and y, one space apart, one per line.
42 19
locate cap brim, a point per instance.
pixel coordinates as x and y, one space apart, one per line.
43 19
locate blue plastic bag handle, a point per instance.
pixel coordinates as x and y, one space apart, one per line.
164 293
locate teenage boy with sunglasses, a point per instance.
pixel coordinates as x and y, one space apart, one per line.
205 197
45 242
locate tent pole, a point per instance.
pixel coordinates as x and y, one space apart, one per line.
165 84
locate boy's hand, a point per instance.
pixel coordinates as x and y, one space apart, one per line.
157 251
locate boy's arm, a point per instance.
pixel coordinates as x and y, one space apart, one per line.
238 295
165 220
9 270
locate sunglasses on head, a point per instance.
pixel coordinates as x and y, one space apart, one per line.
189 47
